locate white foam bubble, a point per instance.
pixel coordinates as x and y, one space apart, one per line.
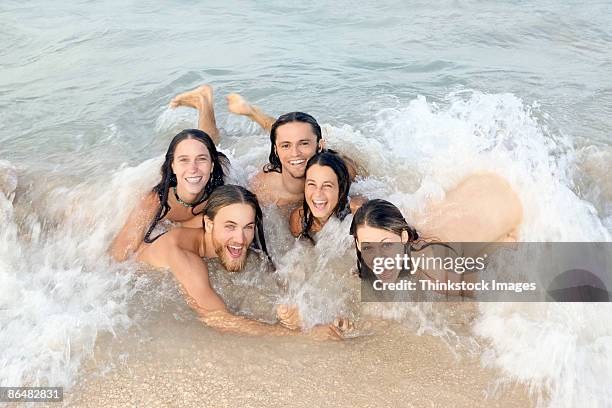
562 351
318 277
58 288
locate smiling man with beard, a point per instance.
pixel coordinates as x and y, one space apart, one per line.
232 223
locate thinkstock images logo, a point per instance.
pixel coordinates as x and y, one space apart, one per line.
489 272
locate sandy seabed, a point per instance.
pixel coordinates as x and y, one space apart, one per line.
184 364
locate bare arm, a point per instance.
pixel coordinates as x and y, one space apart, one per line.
289 317
226 322
132 233
179 250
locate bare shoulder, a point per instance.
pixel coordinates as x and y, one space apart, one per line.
145 210
258 180
295 221
149 201
263 185
269 189
159 251
131 235
189 239
258 183
195 222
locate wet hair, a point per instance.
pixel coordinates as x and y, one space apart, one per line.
233 194
168 178
342 208
274 161
384 215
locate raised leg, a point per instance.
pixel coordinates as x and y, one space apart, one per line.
238 105
201 99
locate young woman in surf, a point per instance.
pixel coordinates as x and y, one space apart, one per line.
325 195
192 169
483 208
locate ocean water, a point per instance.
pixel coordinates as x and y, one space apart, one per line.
421 94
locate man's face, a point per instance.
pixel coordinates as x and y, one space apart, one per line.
295 144
233 231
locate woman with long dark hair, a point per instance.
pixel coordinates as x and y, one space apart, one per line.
483 208
326 194
379 221
192 169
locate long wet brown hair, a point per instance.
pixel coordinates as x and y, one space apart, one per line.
274 161
168 178
342 208
232 194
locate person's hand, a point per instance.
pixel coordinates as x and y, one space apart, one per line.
324 332
289 317
344 326
336 331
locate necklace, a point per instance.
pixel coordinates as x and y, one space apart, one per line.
185 204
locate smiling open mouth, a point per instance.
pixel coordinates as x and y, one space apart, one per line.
297 162
193 180
319 205
235 251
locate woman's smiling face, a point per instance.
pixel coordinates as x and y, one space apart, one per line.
192 166
321 191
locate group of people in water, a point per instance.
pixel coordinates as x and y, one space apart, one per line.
216 220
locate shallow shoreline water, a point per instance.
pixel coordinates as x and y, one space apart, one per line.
196 366
521 89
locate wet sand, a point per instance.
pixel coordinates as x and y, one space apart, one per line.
182 363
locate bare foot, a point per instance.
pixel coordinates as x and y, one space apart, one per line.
195 98
344 324
238 105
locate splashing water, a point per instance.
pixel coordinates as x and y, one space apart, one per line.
59 291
